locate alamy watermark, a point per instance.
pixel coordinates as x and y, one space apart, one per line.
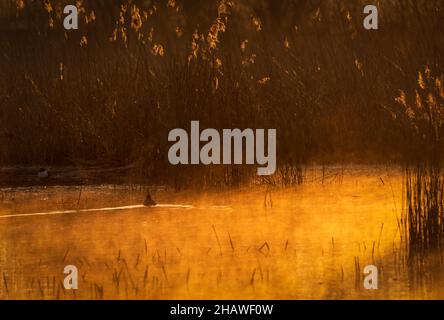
371 277
187 150
71 20
71 280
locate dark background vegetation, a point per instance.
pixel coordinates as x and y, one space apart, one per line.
109 93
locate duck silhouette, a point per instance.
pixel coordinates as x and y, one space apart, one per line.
43 175
149 202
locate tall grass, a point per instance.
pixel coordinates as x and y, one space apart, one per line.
425 208
423 115
110 92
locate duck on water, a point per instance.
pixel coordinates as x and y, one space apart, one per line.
43 176
149 202
43 173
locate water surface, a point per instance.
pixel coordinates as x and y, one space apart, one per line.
308 241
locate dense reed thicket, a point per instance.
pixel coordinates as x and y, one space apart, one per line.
110 92
423 219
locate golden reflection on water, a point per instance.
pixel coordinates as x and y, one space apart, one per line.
314 242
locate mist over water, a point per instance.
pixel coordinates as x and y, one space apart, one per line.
306 242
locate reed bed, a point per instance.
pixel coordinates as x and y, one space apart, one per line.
110 92
424 217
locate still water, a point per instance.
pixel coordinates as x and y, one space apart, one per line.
307 242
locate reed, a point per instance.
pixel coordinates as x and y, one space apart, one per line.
424 218
111 100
